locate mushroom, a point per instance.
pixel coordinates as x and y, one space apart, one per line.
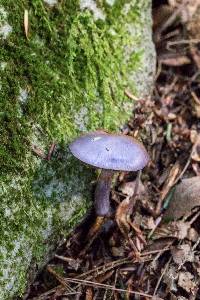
110 153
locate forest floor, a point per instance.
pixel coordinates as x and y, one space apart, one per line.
150 247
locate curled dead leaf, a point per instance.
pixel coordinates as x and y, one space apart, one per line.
169 183
122 214
185 198
125 208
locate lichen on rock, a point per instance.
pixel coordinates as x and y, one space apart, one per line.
69 76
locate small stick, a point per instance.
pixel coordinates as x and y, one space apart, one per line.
130 95
157 222
60 279
105 286
161 276
51 150
184 169
48 293
156 251
182 42
196 244
104 268
41 153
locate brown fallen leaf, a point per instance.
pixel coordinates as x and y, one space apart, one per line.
124 210
128 188
122 215
159 244
182 229
186 281
182 253
169 183
185 198
117 251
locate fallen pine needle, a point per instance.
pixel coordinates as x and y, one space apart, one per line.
105 286
130 95
104 268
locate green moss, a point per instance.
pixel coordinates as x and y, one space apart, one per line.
69 76
68 60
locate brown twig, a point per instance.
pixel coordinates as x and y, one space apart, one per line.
130 95
104 268
105 286
51 150
161 276
93 232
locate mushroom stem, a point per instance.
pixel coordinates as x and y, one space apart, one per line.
102 193
137 182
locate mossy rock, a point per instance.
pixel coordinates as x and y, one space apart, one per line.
67 77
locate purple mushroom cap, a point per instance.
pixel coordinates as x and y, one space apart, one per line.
110 151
